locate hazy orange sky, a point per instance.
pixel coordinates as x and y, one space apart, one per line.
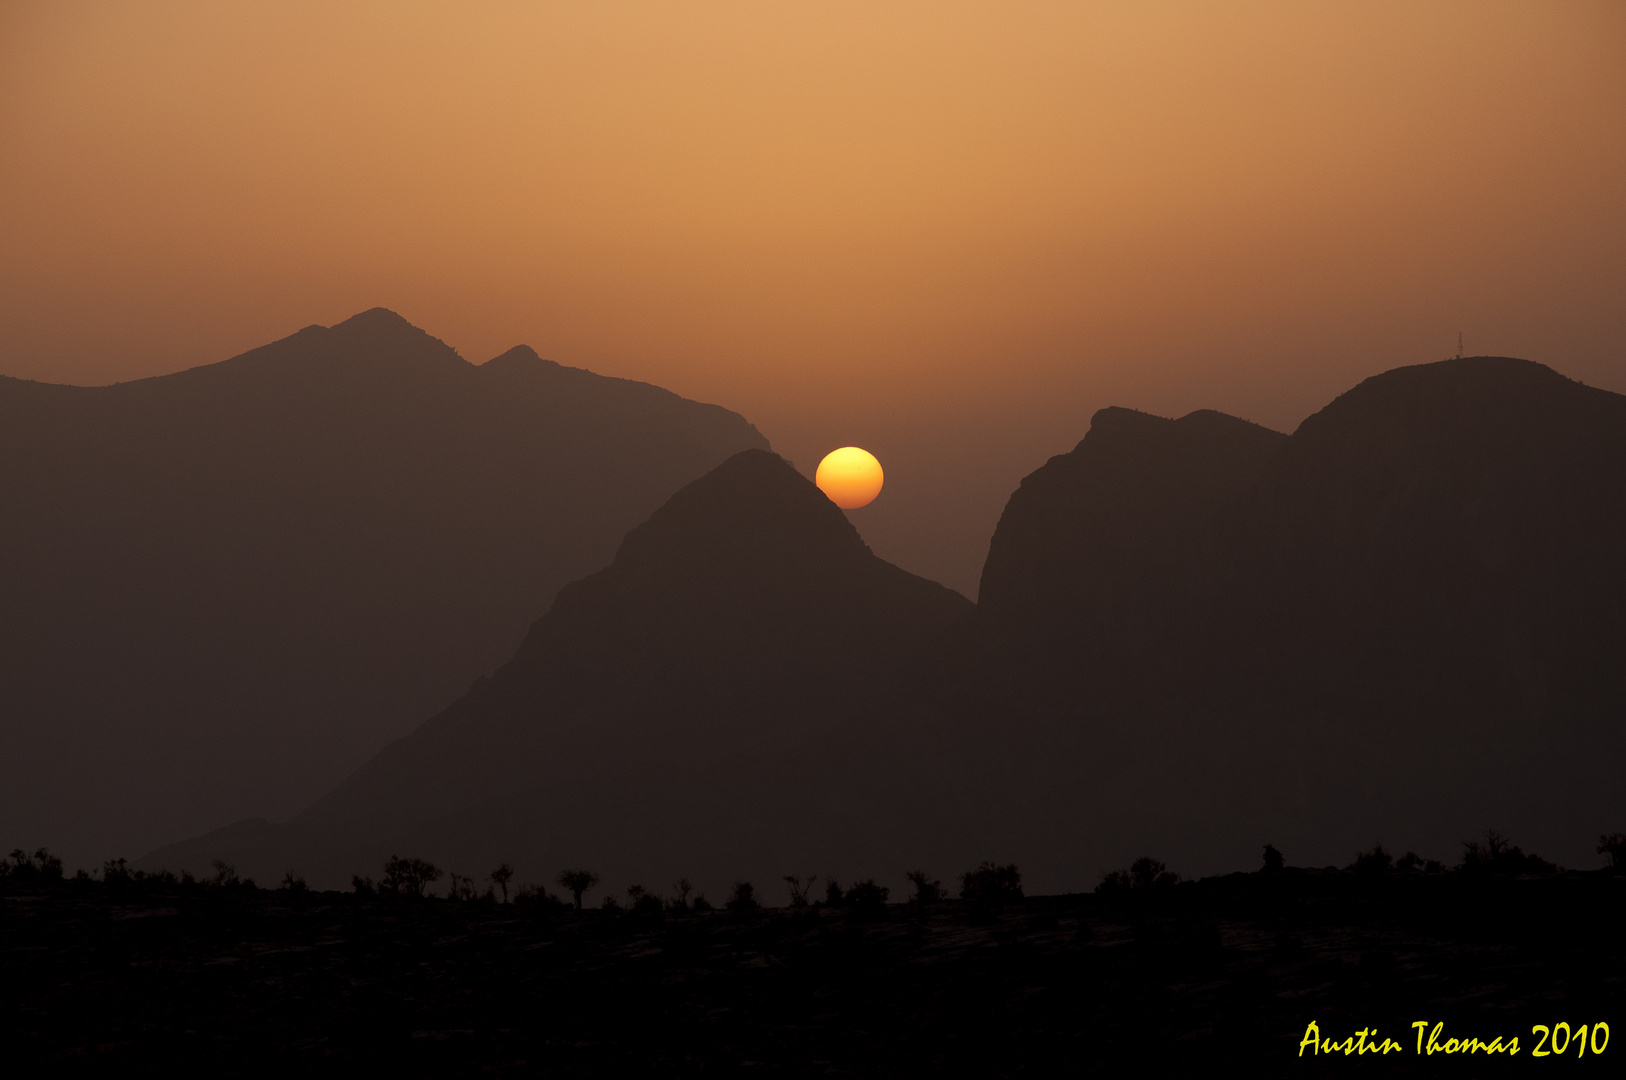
946 232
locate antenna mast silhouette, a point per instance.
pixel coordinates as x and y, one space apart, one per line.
1459 344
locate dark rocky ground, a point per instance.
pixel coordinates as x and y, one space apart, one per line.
149 974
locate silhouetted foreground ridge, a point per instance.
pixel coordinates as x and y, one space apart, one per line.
144 972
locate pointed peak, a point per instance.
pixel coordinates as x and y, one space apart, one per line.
384 327
378 318
519 358
1212 422
380 334
756 500
757 466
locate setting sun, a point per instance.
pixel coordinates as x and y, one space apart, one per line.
850 477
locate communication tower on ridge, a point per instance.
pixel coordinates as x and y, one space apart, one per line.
1459 344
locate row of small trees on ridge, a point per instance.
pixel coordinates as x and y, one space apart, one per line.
989 885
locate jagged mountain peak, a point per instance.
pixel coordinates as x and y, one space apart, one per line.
752 507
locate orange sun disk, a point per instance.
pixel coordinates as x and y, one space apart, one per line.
850 477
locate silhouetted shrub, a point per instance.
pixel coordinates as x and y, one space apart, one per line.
42 866
833 896
535 901
225 874
1144 873
291 882
1498 855
799 889
363 886
867 900
610 905
50 867
408 877
702 904
1614 846
640 902
991 884
927 890
1273 859
461 888
1372 861
116 872
500 877
577 882
680 894
744 899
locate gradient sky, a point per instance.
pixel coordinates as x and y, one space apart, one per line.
947 232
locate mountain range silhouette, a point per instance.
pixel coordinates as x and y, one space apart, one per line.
225 588
1399 624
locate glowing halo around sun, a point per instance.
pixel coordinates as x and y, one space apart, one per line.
850 477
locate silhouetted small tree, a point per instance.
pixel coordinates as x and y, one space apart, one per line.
927 889
701 903
362 885
1144 873
867 900
799 889
833 894
461 888
408 877
577 882
1614 846
500 877
1273 859
291 882
1374 860
535 900
744 899
680 894
1499 855
225 873
640 902
991 884
41 866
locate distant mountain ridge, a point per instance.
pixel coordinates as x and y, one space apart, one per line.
1401 624
226 586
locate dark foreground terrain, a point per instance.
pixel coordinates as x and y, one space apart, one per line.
237 980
